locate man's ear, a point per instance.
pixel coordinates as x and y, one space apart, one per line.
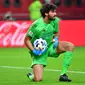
46 14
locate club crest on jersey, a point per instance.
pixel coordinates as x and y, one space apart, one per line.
30 33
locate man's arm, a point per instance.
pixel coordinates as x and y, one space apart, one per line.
29 46
56 34
28 43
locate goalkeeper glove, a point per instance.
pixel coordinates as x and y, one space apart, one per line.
55 42
37 52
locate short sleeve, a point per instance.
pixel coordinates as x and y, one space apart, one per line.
31 30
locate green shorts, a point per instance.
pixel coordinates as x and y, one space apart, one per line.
42 59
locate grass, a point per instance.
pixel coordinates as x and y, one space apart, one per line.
15 63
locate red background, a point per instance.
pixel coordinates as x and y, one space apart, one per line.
70 30
73 31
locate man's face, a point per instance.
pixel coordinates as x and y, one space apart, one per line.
52 15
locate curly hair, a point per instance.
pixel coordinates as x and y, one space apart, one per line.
46 8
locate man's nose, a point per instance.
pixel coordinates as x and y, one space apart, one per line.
55 13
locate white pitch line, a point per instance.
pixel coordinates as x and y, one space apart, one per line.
78 72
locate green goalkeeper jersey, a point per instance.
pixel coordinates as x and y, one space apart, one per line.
39 29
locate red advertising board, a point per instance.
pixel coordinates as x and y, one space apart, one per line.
12 33
73 31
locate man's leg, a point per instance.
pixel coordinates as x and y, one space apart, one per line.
68 49
37 73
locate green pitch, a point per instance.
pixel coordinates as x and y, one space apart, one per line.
15 64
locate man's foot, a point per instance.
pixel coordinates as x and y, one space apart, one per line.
64 78
29 74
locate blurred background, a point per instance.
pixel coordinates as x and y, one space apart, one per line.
66 9
17 15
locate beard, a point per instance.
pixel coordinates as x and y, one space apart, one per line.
51 18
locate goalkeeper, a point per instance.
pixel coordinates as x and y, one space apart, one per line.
46 27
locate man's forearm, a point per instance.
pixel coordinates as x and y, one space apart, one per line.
28 43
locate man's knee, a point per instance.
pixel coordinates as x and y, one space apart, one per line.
38 71
37 79
70 46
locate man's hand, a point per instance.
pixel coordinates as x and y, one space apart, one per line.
55 40
37 52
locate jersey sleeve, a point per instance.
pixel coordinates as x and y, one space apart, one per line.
56 25
31 31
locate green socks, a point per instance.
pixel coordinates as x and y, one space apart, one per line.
67 60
